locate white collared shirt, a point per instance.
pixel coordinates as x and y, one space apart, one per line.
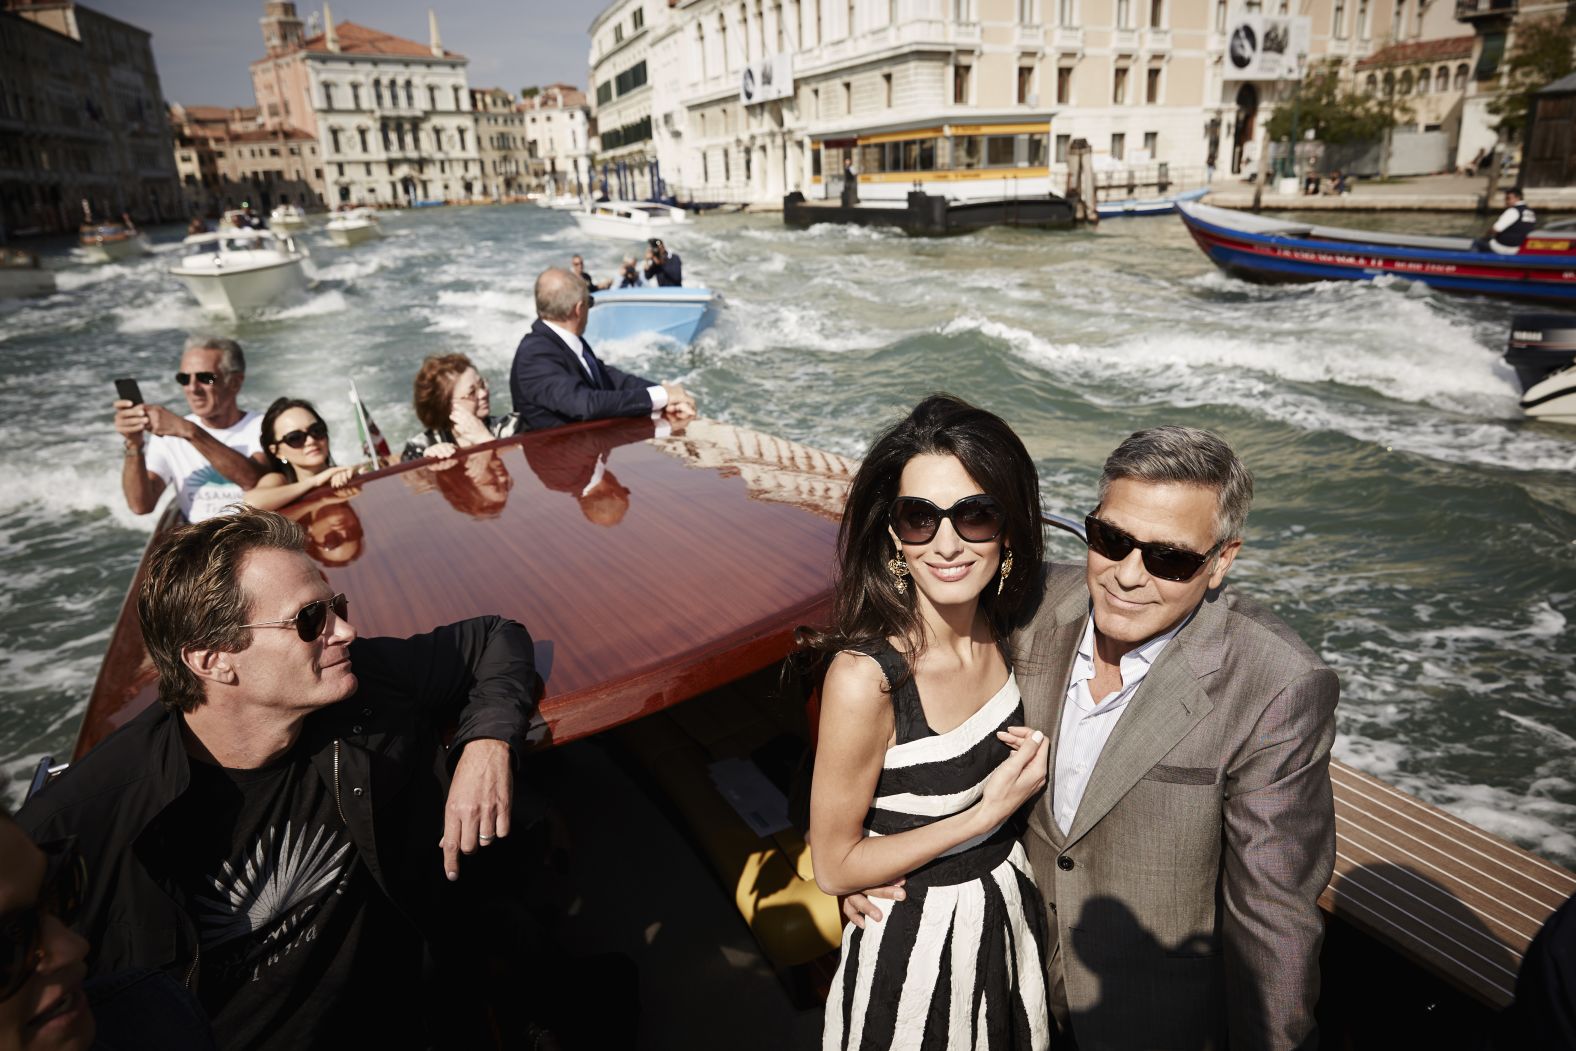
1087 724
657 392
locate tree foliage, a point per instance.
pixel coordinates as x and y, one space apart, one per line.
530 93
1541 55
1335 113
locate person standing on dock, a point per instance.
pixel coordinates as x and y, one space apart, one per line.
1188 827
1510 230
212 455
556 379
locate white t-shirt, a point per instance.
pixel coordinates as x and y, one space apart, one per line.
201 489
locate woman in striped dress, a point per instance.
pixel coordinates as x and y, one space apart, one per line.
922 759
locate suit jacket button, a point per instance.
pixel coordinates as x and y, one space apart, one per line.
355 791
1064 863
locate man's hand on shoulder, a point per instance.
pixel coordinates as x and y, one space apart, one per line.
480 796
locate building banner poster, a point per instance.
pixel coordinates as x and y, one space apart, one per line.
770 78
1267 47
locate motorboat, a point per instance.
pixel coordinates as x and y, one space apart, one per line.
287 219
697 695
1264 249
239 219
676 314
109 242
630 220
234 271
1542 350
563 202
354 227
1140 207
22 276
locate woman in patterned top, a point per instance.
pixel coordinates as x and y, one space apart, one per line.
923 759
451 401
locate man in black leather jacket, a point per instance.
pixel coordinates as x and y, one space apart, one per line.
266 834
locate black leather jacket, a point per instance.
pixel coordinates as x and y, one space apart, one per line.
377 751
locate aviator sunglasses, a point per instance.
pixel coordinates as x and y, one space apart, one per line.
22 930
310 619
297 439
207 379
977 519
1160 560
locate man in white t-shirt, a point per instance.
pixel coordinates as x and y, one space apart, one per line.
212 455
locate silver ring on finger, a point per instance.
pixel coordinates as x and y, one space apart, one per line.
484 839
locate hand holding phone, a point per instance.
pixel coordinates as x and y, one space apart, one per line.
127 390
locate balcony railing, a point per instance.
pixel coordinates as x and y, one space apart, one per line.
1030 36
1124 39
1068 38
1157 39
1466 9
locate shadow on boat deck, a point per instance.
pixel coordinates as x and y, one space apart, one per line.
639 888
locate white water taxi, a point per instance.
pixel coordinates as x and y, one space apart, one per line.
234 271
353 227
630 220
287 219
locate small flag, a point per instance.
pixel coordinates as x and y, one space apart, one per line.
373 445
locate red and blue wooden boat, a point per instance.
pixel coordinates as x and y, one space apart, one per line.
1267 250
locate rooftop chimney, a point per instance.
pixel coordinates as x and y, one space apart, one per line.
330 38
432 31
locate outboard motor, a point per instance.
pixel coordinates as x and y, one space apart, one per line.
1542 350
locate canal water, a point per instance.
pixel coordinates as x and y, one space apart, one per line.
1414 530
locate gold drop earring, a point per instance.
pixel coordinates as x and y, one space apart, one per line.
898 567
1006 568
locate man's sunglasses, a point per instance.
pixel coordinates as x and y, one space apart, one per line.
22 930
310 619
1160 560
297 439
977 519
207 379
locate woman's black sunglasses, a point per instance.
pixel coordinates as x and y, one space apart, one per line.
977 519
297 439
1160 560
22 930
310 619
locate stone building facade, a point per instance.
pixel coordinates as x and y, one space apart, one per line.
228 158
501 143
392 117
81 119
558 131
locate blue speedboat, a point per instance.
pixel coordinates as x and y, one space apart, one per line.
677 314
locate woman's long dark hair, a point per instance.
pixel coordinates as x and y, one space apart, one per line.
866 605
270 439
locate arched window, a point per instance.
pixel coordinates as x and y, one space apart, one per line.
1424 83
432 97
362 133
1442 78
410 94
1389 85
1461 77
1406 82
377 92
1371 85
328 95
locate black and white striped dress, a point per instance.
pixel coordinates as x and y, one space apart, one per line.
960 962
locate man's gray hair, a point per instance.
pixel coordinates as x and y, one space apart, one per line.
558 292
231 363
1186 456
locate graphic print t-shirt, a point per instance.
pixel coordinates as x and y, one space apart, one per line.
201 489
298 942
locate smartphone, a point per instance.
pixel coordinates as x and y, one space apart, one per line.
128 390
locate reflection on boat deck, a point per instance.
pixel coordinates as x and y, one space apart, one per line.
772 468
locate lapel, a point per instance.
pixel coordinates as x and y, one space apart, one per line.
1049 644
1169 703
598 377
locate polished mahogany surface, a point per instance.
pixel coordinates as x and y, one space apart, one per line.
648 569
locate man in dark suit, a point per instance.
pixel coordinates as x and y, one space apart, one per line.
556 379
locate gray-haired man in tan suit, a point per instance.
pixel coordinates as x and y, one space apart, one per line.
1187 827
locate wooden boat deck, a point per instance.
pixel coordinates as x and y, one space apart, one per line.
1444 894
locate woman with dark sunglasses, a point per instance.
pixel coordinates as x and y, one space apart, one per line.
296 441
923 760
44 1003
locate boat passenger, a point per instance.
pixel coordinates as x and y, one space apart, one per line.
44 1003
663 267
629 274
556 379
1510 230
453 403
269 832
212 454
296 440
925 757
578 265
333 531
1190 826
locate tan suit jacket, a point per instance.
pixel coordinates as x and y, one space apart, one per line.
1183 900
